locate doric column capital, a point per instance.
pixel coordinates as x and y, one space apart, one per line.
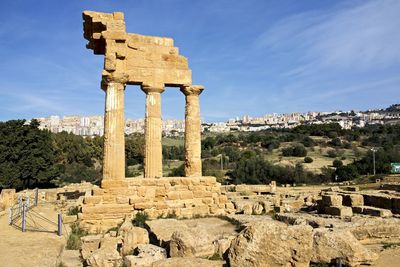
192 89
116 78
152 89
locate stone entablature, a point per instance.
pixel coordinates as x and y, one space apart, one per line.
153 63
183 197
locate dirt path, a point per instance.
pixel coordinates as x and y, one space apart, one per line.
31 248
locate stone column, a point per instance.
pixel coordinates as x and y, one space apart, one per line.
153 132
192 130
114 134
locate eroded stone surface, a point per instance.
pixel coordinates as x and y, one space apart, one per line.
271 243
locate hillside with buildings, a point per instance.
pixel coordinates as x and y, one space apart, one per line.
94 125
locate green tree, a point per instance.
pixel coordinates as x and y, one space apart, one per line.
27 157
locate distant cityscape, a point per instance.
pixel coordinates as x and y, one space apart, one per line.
94 125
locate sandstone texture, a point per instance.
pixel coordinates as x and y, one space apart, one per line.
329 245
192 238
182 197
132 236
185 262
146 256
272 243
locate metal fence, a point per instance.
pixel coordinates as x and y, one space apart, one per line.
25 216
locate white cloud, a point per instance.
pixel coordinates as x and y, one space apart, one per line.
359 37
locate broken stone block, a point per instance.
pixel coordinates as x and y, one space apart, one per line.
90 243
272 243
106 256
146 255
339 211
332 244
191 243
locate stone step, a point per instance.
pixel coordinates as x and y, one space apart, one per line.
340 211
372 211
107 208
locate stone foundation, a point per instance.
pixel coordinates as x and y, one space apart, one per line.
183 197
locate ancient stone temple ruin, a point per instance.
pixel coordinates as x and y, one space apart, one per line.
153 63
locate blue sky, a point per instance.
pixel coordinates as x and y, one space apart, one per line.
254 57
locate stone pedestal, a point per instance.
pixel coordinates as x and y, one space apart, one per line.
183 197
192 130
114 139
153 132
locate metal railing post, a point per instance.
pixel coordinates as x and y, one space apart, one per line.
59 225
10 216
23 226
19 205
36 196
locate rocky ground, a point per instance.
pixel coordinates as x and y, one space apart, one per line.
289 227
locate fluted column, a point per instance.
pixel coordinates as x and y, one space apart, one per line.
153 132
192 130
114 138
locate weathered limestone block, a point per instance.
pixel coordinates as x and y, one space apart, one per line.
379 201
185 262
223 244
329 245
98 191
271 243
146 255
208 180
122 200
339 211
107 208
379 231
185 195
132 236
90 243
143 205
257 208
173 195
353 200
7 197
69 219
373 211
162 230
92 200
191 243
331 200
105 257
396 205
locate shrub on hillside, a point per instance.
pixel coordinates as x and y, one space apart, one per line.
295 151
308 160
332 153
337 163
308 141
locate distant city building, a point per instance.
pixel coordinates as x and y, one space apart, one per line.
94 125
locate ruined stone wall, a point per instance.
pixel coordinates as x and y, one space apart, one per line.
158 197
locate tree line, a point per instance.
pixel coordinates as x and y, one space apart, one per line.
30 157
